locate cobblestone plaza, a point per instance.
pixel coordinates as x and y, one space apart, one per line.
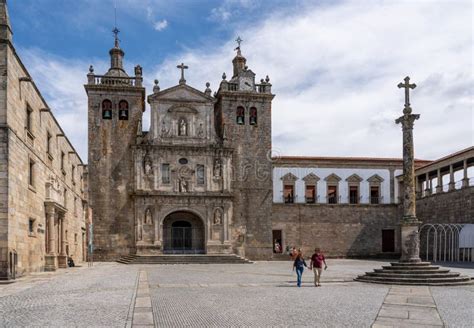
261 294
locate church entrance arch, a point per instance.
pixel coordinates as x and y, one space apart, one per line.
183 233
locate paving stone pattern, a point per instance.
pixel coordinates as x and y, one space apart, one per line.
94 297
262 294
408 307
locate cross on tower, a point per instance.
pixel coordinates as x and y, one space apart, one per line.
116 31
239 41
182 67
407 86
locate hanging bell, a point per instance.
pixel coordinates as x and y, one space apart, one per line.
240 120
123 114
107 114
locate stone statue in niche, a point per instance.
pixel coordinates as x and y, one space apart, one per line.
217 217
217 167
183 128
200 131
148 216
164 130
148 166
183 185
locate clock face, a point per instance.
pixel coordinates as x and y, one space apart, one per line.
246 84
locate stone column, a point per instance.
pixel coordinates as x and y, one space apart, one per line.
451 178
51 263
465 179
62 257
439 187
410 239
428 184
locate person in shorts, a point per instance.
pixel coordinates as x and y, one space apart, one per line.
317 261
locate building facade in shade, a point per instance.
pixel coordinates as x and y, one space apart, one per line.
42 196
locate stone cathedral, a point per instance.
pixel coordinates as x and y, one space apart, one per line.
199 181
202 179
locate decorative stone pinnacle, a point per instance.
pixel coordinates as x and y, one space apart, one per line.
224 76
208 84
156 88
91 69
182 80
267 79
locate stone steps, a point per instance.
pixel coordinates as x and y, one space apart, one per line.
183 259
411 271
413 275
462 280
420 273
413 268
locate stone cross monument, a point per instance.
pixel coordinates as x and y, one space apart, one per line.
410 239
182 67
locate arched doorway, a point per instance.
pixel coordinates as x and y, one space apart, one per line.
183 233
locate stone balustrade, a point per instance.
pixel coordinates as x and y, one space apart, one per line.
114 80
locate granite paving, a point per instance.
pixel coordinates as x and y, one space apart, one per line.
262 294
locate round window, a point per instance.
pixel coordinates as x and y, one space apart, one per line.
183 161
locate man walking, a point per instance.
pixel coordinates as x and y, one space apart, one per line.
317 260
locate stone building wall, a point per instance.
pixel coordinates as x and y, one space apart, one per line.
339 230
455 206
20 200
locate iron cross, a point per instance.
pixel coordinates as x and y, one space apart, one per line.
182 67
407 86
239 41
116 31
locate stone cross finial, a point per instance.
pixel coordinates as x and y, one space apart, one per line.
182 67
116 31
407 86
239 41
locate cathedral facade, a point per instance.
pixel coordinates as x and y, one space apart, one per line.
199 181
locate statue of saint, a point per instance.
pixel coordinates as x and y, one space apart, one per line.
217 168
183 128
164 130
148 216
148 166
183 185
200 131
217 217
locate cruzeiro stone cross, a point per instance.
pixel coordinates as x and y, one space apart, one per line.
182 80
410 247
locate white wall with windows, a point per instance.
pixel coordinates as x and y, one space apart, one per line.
343 185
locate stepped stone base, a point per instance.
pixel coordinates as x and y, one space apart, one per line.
414 273
183 259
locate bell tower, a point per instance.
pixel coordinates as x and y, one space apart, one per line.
243 122
116 102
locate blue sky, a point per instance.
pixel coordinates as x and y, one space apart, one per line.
334 65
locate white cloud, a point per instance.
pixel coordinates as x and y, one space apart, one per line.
160 25
334 71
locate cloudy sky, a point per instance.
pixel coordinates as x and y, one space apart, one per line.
334 65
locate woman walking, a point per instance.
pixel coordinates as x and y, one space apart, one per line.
299 265
317 260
